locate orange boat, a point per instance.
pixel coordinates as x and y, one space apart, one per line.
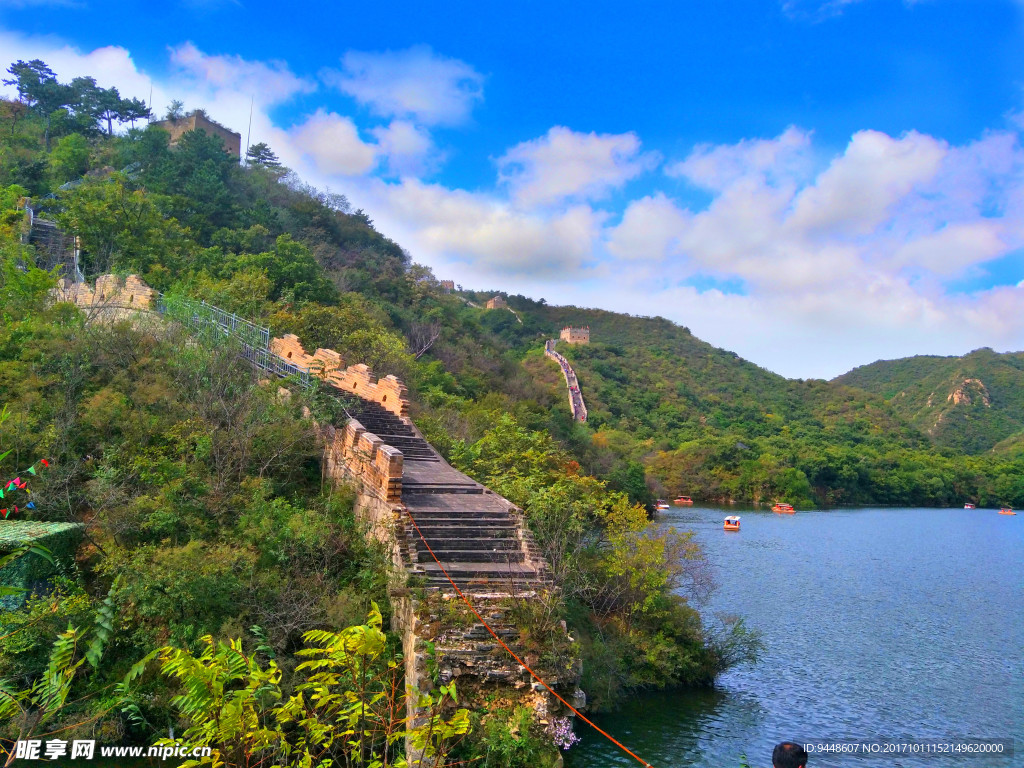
683 500
783 508
1006 511
732 523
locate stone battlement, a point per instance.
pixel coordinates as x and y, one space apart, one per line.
352 452
388 392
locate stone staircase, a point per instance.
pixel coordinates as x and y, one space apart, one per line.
54 248
393 430
483 546
480 538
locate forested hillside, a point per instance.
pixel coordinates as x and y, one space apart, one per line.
703 422
200 489
969 403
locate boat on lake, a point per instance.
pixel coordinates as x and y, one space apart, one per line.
661 504
683 501
968 505
732 523
1006 511
783 508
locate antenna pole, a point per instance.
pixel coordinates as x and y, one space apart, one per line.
248 133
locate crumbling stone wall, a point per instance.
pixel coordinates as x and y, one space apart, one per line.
199 121
358 379
112 294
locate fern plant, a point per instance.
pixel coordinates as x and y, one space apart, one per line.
349 709
46 698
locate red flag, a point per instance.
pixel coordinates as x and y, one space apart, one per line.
44 462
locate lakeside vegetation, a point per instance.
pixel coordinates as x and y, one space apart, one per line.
201 491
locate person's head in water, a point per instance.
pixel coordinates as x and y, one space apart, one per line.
789 755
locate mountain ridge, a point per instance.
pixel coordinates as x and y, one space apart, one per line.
970 402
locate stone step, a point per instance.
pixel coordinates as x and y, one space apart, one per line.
496 572
443 488
478 586
479 632
481 545
407 443
412 450
458 521
448 556
471 531
396 430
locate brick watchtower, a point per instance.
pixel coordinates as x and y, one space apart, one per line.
575 335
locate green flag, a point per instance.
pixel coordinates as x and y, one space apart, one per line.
31 470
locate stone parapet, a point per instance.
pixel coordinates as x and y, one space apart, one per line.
358 379
353 454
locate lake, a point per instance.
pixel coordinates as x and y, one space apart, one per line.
878 624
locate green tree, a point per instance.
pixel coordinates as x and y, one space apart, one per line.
175 110
261 155
69 158
132 110
121 227
38 87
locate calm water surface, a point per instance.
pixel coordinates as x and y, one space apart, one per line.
878 623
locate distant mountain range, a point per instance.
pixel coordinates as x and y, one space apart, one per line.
972 403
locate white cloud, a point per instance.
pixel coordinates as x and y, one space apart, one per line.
409 150
851 264
777 161
568 164
650 229
854 195
818 9
332 142
112 66
485 233
415 83
952 249
268 82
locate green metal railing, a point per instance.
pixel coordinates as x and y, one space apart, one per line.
215 324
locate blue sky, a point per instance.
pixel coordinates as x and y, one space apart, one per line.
812 184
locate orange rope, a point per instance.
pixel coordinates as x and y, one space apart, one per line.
579 714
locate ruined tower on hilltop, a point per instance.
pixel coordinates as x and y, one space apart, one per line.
198 120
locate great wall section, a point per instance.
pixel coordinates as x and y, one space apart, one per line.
576 404
410 499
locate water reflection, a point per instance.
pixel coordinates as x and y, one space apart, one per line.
674 728
878 624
